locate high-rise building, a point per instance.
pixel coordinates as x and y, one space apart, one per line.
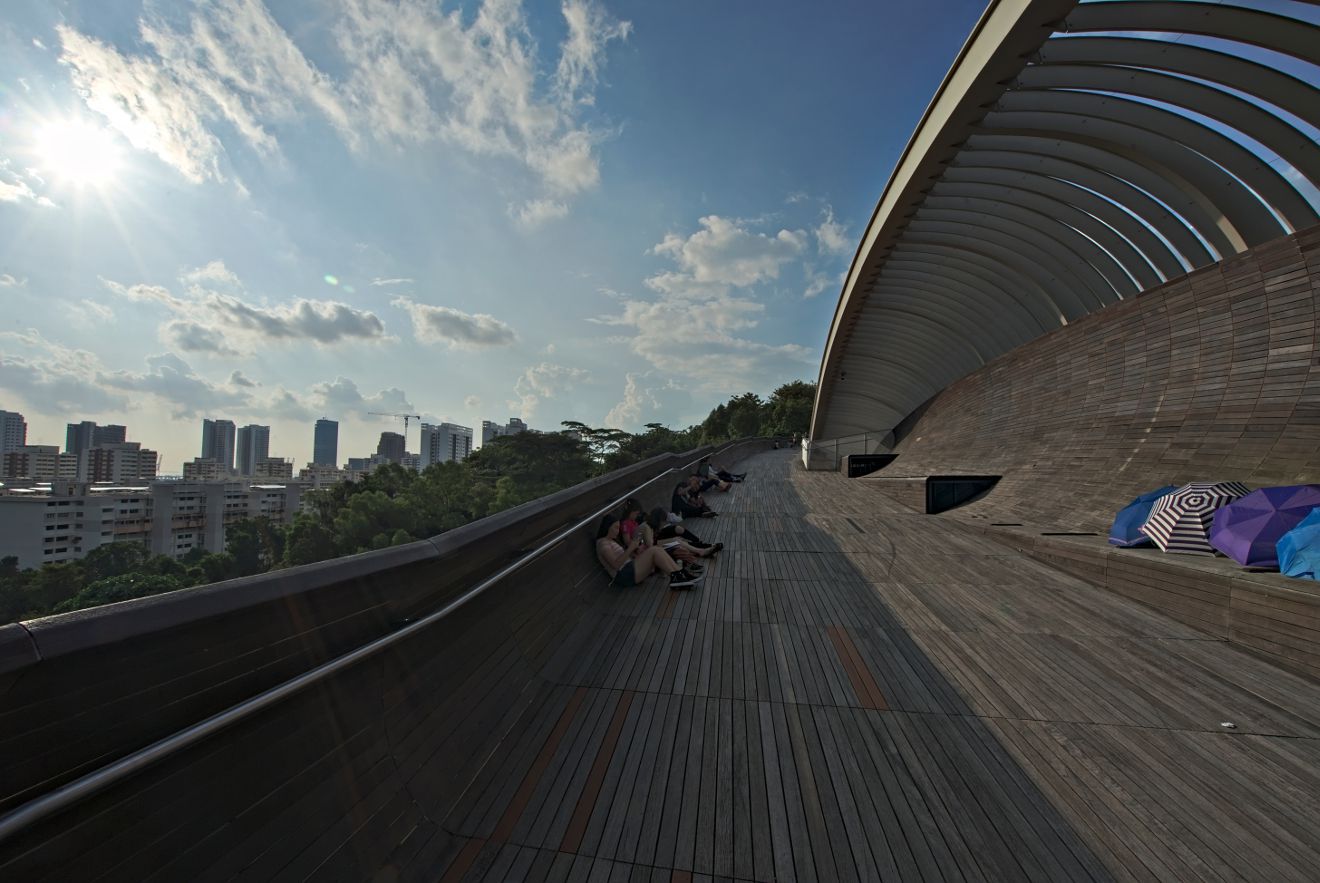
445 443
112 434
325 443
391 447
78 437
13 431
253 447
491 430
218 442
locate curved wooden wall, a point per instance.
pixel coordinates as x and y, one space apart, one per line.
1212 376
327 782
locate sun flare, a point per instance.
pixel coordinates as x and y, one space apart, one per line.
78 152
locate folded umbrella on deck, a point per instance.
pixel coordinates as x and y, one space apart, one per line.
1127 524
1299 549
1180 521
1248 529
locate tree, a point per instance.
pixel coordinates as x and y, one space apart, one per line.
123 587
790 409
308 541
746 414
256 545
113 559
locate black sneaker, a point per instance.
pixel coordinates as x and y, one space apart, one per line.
693 567
681 580
716 548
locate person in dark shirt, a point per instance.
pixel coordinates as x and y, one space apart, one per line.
687 501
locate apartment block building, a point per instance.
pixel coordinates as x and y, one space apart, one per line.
64 520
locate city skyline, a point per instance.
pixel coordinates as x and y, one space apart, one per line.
569 218
223 441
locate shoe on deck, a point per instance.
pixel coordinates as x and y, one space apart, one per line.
683 580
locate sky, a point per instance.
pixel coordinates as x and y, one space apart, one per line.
611 211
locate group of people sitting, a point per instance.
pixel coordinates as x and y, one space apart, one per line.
634 544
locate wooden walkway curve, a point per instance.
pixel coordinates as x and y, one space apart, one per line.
858 692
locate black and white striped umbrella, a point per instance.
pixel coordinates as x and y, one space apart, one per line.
1180 521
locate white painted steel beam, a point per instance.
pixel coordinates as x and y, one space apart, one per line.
1074 154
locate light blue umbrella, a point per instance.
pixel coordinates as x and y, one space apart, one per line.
1127 524
1299 549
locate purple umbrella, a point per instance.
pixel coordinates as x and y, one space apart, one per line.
1248 528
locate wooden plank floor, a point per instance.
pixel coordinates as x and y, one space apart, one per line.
861 693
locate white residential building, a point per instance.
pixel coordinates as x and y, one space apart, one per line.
64 520
445 443
202 469
273 468
124 463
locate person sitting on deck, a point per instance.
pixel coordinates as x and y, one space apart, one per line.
707 469
662 528
627 566
707 480
687 501
633 521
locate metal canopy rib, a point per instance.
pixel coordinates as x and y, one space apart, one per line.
1055 173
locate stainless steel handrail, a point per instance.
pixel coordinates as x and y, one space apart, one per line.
80 789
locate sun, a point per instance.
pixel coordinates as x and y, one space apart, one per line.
77 152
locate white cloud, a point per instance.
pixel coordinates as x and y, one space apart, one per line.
15 188
432 324
8 281
213 273
543 381
173 381
411 72
534 213
325 322
647 399
711 354
832 237
193 338
238 378
472 402
342 396
583 50
206 320
400 281
52 378
723 253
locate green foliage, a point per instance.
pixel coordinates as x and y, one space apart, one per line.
121 587
393 505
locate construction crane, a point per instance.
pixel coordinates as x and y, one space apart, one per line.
406 418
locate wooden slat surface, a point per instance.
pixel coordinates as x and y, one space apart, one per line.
857 692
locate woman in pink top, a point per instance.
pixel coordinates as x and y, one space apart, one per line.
627 566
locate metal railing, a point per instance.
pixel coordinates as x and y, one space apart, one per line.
829 453
80 789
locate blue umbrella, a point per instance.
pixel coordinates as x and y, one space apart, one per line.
1299 548
1127 524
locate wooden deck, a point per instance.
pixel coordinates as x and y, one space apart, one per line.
861 693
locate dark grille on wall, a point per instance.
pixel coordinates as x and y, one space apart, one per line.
1211 376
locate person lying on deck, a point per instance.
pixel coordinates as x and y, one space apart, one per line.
633 521
629 566
687 501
